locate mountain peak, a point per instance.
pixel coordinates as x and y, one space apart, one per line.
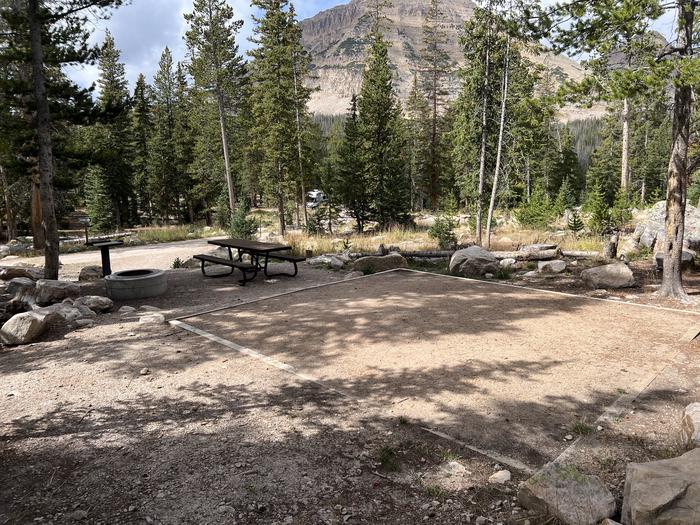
336 37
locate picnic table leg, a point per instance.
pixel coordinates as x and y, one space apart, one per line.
230 253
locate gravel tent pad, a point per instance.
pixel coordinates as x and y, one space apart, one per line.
506 369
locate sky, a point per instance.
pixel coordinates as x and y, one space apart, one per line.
143 28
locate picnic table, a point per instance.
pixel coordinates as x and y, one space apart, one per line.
259 253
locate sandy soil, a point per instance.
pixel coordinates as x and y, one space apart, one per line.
208 435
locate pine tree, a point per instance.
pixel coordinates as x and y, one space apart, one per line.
218 69
436 67
576 224
381 135
274 103
566 198
162 167
112 134
141 128
598 209
355 186
98 199
40 37
537 212
183 141
419 137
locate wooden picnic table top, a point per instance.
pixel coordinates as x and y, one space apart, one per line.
250 246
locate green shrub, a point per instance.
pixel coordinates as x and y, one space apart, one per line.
598 209
177 263
538 211
442 231
576 223
243 226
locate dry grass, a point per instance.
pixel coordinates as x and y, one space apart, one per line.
405 238
175 233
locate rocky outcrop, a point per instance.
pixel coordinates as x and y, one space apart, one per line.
336 41
473 262
690 426
378 263
570 496
663 492
651 227
616 275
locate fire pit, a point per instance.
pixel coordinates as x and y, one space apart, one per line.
136 284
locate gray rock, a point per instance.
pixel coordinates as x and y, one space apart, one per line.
24 328
319 260
663 492
90 273
500 477
95 302
690 433
556 266
63 312
20 287
192 263
126 310
85 323
473 262
687 259
152 318
379 263
49 292
508 263
85 312
539 247
5 251
617 275
568 495
648 238
337 263
8 273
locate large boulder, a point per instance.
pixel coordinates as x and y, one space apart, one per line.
687 259
663 492
568 495
473 262
8 273
21 287
379 263
90 273
556 266
24 328
651 226
63 313
690 433
617 275
95 302
49 292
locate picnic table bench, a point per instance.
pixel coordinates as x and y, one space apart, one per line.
260 254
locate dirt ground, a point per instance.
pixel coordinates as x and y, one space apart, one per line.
209 435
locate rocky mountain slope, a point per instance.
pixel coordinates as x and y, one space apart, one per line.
335 39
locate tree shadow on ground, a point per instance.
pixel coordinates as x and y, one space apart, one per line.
236 453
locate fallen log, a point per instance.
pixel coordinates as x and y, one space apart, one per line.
573 254
446 254
528 255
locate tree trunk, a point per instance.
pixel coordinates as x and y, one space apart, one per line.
484 138
434 168
280 199
677 179
625 176
43 130
9 211
224 144
499 151
39 239
299 146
